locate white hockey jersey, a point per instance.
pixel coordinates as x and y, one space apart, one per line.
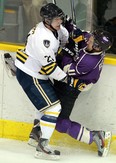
38 58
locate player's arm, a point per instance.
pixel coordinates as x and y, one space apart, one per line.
53 71
49 65
63 36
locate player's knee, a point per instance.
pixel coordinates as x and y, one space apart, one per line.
54 108
63 125
74 129
52 114
49 118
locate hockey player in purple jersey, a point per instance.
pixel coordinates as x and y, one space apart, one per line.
83 68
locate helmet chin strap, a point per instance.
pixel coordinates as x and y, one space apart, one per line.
52 29
49 24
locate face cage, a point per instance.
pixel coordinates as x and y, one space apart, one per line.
96 44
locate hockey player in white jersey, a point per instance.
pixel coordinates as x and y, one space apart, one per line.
36 64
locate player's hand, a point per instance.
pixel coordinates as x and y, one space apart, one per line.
70 81
77 35
68 24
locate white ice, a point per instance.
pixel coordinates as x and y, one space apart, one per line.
13 151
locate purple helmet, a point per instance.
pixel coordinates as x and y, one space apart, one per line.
103 39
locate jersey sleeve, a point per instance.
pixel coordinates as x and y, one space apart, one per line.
81 66
63 35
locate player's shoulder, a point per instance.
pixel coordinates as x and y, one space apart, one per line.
63 30
43 33
43 37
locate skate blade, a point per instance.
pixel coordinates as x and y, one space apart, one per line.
32 142
108 137
41 155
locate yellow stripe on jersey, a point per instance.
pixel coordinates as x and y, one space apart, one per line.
78 39
42 71
48 69
75 82
22 53
21 56
49 66
47 124
59 50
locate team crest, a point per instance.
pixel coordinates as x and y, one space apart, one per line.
46 43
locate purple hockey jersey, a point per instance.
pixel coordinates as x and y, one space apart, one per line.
87 66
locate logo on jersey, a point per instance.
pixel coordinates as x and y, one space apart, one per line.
46 43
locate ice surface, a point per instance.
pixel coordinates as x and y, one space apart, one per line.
13 151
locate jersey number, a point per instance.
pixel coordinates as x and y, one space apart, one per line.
49 59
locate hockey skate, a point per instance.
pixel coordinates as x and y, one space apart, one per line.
43 151
35 134
103 141
10 63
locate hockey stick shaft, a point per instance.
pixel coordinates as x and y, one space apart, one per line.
54 1
73 11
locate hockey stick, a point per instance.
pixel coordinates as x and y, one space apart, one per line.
73 11
54 1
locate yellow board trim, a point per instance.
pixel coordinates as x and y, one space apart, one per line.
14 130
21 130
10 47
10 11
110 59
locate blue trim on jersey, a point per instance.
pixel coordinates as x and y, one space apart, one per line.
49 118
